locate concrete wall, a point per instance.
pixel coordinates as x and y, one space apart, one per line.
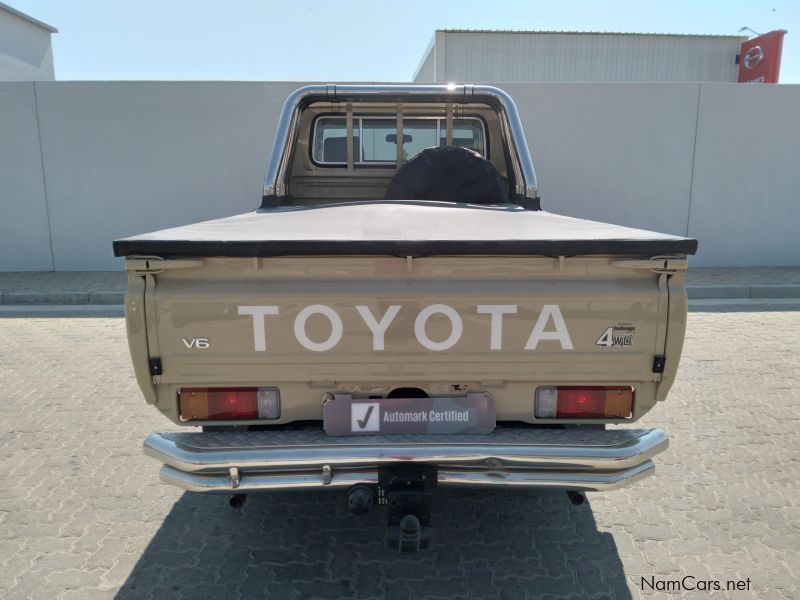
25 50
24 229
746 187
131 157
83 163
613 152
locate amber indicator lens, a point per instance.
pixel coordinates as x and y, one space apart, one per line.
584 402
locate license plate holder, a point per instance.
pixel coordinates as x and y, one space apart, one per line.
473 413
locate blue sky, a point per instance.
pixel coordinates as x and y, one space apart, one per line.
348 40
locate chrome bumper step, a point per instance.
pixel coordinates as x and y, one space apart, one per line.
244 462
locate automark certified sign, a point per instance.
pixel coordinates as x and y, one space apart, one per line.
473 413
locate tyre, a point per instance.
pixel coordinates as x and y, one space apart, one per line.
450 174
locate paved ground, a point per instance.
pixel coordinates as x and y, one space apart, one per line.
108 287
82 514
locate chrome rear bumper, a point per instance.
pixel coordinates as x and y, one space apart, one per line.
244 462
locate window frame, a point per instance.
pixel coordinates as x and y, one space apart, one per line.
358 120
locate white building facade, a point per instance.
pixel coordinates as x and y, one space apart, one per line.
26 52
557 57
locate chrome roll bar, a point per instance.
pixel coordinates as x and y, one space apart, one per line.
521 165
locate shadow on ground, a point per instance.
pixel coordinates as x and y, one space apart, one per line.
503 544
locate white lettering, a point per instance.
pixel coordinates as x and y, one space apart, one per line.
259 333
550 311
300 327
456 327
405 417
378 328
200 343
449 416
543 329
607 338
497 311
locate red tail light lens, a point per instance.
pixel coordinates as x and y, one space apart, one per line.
584 402
581 402
231 403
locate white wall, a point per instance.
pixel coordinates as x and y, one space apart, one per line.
24 231
618 152
125 158
746 193
25 50
714 161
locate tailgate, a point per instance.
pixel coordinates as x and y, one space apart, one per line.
361 324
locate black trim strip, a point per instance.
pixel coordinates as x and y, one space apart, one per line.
263 248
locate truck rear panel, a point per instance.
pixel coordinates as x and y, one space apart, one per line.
309 325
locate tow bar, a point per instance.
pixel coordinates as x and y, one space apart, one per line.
405 489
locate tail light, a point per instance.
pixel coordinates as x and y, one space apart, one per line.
230 403
583 402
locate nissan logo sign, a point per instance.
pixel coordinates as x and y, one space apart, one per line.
753 57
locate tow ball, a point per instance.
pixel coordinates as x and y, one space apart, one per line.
405 490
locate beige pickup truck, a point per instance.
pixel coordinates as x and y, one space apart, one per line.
400 315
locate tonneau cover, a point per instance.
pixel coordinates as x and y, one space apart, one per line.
400 228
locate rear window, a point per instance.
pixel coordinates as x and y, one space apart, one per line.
375 138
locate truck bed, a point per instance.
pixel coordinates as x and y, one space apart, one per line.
400 228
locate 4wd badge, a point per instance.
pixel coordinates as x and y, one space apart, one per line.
619 335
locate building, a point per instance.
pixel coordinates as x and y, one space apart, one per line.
552 56
26 53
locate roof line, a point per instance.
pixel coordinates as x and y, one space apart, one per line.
28 18
553 32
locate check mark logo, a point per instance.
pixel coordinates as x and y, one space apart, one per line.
363 422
